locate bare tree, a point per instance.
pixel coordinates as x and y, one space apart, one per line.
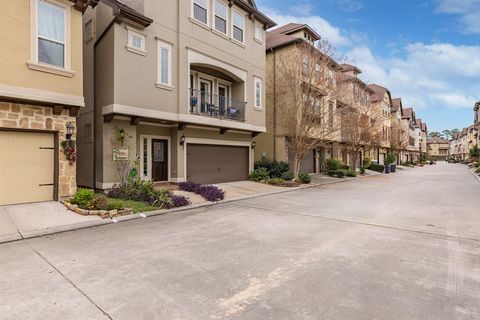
361 129
307 95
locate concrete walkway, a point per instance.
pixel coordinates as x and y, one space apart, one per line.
41 218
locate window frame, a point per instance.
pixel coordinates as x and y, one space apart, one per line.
258 80
214 14
262 33
131 33
34 62
207 9
162 44
233 26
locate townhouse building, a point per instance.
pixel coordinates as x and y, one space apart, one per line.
41 92
412 135
421 131
399 137
180 92
476 116
381 100
356 98
438 149
285 44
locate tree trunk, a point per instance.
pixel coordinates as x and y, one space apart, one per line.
296 166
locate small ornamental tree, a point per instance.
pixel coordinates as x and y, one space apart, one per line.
474 153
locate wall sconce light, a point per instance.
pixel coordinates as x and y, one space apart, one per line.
254 144
182 140
70 128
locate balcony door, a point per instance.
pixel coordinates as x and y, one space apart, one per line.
223 97
205 94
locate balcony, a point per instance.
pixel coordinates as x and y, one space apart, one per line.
216 106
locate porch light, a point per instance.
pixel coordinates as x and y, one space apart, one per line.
182 140
254 144
70 128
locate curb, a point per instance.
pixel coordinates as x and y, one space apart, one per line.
476 176
136 216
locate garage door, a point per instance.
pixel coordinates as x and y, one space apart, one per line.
26 167
208 164
307 164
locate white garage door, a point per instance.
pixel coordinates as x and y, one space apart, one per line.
26 167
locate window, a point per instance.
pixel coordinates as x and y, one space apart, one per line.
330 114
220 16
136 41
51 27
145 157
258 93
88 133
164 63
238 26
259 33
88 30
200 10
318 71
305 64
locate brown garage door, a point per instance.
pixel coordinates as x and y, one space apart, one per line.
307 164
214 164
26 167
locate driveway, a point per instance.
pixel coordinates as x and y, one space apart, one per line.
399 246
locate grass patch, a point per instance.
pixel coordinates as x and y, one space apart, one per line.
137 206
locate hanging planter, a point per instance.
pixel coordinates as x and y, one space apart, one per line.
69 148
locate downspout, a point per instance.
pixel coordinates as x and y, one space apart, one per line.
97 41
274 104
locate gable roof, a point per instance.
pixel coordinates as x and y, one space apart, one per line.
348 67
437 141
407 113
424 126
290 28
397 104
379 93
275 40
251 8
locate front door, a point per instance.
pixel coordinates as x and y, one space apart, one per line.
159 160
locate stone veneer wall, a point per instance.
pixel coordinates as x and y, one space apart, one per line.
22 116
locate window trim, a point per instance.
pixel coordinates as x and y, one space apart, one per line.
129 46
262 40
164 44
207 14
255 81
242 14
33 63
214 15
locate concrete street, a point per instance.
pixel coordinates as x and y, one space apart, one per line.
398 246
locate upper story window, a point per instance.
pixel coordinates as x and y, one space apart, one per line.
51 34
136 41
318 71
259 33
238 26
220 16
200 10
164 64
305 64
258 93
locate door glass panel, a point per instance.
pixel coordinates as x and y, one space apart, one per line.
158 152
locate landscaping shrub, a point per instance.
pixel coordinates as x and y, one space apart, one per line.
288 175
367 162
84 198
339 173
276 181
137 190
114 204
390 158
259 174
345 167
377 167
362 170
304 177
211 193
180 201
163 199
275 169
333 164
100 202
477 170
350 173
188 186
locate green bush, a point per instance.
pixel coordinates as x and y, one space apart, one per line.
304 177
275 181
350 173
259 174
333 164
275 169
367 162
390 158
84 198
115 204
345 167
164 199
288 175
477 170
341 173
362 170
377 167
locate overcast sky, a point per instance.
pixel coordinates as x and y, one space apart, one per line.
426 52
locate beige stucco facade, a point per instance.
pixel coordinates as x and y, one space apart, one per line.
437 149
37 97
124 87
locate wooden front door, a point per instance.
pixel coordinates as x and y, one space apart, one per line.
159 160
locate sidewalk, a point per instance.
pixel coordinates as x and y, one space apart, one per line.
25 221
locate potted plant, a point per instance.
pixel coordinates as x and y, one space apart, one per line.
390 162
